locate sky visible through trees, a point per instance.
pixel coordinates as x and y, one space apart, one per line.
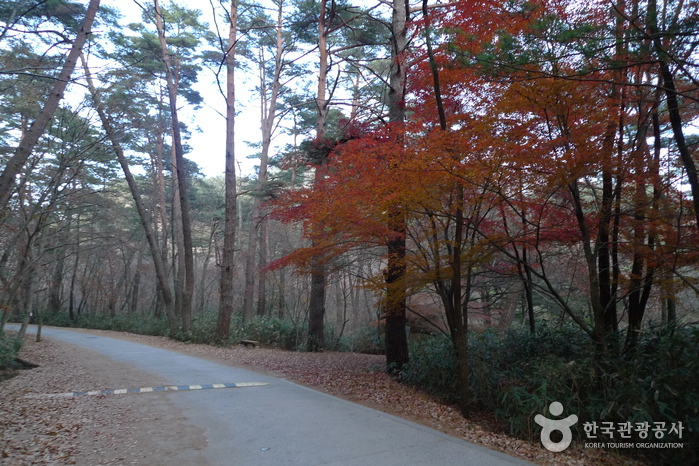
210 116
443 170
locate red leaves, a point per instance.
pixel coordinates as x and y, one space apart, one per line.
530 117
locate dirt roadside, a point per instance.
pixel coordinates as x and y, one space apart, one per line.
147 429
89 430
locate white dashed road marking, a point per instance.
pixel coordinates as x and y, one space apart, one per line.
166 388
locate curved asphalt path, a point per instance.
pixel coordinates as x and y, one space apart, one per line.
283 423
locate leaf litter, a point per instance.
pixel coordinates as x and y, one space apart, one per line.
45 430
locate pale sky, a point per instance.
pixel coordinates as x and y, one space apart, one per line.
208 145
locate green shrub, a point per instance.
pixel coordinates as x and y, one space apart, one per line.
516 376
365 340
133 323
9 349
57 319
433 366
268 331
204 327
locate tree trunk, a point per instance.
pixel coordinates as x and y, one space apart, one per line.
316 308
598 332
225 310
262 278
268 115
28 270
606 241
56 284
73 278
460 310
250 256
673 107
642 270
160 272
395 307
203 298
178 253
282 290
136 286
181 177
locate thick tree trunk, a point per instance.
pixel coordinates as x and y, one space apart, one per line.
225 310
396 339
262 278
316 308
30 139
395 305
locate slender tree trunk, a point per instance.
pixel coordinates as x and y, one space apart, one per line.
225 310
606 241
160 271
54 301
459 308
268 115
178 253
203 299
30 139
673 107
73 277
136 286
282 291
250 255
642 271
162 213
671 302
181 177
29 261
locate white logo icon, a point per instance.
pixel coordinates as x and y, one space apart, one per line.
561 425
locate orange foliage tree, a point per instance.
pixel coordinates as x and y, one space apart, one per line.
537 158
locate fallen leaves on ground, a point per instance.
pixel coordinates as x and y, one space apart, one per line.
90 430
40 433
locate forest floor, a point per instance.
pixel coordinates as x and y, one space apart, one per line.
97 430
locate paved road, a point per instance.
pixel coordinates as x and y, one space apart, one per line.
283 423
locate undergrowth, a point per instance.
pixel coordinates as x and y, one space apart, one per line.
269 331
516 376
9 349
